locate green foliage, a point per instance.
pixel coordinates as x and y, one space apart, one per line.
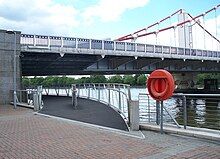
115 79
98 79
200 77
129 79
67 81
141 80
25 82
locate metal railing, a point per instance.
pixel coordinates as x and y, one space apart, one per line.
196 110
30 98
112 94
63 44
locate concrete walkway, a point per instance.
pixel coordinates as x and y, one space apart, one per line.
25 135
87 110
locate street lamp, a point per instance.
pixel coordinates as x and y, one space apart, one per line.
14 68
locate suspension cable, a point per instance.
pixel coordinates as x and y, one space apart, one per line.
128 37
203 17
150 26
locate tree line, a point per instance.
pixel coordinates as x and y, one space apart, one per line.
137 80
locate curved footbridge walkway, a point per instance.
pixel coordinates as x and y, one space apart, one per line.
87 111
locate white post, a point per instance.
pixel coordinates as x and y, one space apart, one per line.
134 115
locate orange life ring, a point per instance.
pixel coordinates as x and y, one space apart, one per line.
167 85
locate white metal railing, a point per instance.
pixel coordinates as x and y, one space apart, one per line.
112 94
30 98
182 109
93 44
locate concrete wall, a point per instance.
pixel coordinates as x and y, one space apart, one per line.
6 65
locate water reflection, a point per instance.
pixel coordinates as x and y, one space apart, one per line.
201 113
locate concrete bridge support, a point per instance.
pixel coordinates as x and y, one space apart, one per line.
185 80
7 46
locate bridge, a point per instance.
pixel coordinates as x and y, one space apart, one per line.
51 55
41 55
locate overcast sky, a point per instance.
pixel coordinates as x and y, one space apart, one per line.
103 19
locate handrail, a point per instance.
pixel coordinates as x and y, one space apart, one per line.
189 118
35 41
109 87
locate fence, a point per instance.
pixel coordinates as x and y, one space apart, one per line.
112 94
30 98
197 110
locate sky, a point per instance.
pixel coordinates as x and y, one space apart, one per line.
103 19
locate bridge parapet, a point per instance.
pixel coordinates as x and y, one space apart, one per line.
64 45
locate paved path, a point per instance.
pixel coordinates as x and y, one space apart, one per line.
25 135
88 111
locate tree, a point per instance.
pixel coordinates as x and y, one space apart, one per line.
129 79
141 80
115 79
25 82
98 79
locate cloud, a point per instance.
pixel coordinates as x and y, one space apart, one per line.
39 17
110 10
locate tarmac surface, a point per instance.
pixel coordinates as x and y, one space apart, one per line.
24 135
88 111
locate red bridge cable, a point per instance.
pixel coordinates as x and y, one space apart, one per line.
170 27
156 23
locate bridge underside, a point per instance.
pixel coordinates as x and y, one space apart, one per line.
40 64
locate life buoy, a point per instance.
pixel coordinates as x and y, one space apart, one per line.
162 79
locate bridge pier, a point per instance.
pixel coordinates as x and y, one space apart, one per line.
7 47
185 80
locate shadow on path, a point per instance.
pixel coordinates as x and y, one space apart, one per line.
88 111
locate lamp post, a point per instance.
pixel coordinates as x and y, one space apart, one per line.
14 68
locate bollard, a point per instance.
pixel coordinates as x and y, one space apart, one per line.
74 96
39 93
36 102
134 115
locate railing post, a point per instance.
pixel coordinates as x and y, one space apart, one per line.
109 95
78 91
90 44
88 91
74 96
184 111
129 107
157 112
161 117
99 92
134 115
34 40
119 99
148 102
